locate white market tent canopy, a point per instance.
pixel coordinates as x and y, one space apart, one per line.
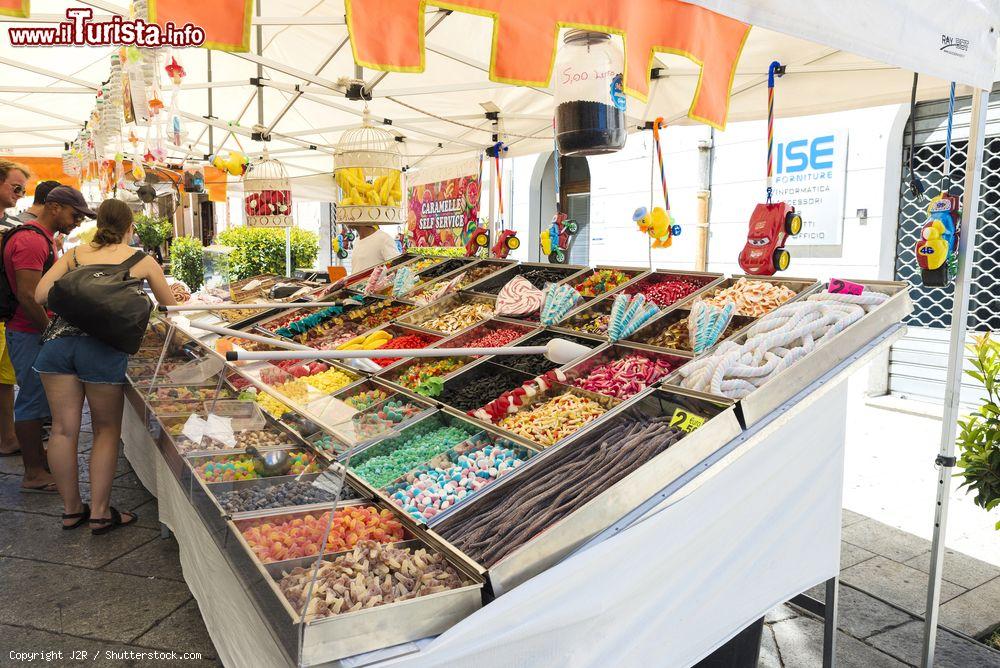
839 55
847 54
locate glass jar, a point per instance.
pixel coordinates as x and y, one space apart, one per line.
590 99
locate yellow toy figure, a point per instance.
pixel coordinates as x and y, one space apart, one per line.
658 224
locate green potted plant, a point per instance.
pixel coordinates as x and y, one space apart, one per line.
258 250
187 261
979 435
153 232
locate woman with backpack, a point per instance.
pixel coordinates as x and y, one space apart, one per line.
75 365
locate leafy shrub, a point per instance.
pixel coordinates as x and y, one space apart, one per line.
455 251
187 261
259 250
153 232
979 435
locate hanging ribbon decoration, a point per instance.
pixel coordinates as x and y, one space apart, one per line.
657 124
774 70
946 172
497 149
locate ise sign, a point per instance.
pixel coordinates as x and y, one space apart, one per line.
810 173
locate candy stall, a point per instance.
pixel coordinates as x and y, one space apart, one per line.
360 510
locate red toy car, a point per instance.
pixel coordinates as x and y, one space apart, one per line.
770 226
506 242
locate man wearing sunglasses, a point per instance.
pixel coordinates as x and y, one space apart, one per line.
28 252
13 181
13 185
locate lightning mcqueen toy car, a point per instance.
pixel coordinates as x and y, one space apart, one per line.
770 226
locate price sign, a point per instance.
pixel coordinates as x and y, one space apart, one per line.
685 420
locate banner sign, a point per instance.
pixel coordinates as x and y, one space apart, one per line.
810 174
441 204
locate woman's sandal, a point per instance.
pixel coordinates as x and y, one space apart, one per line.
111 523
80 518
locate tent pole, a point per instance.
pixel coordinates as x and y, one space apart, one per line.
956 358
260 71
211 130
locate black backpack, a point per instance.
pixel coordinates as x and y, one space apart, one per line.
105 302
8 298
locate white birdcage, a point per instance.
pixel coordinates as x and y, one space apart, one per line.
267 194
368 169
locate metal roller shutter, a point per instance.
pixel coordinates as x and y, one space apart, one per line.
917 363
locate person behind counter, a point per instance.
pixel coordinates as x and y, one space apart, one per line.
74 366
372 247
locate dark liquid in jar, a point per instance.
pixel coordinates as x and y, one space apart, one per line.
589 128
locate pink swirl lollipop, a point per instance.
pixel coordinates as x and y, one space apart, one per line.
519 297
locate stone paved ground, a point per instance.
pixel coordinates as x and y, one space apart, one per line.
71 591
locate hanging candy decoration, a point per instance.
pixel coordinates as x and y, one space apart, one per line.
659 223
176 73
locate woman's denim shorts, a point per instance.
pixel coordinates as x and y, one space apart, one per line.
85 357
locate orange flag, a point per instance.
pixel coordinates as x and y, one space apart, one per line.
389 35
226 22
15 7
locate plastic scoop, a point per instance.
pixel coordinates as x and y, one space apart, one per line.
559 351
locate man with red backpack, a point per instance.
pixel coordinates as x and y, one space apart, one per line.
27 252
13 184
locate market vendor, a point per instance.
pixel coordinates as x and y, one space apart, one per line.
372 247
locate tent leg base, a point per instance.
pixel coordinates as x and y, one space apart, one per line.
828 611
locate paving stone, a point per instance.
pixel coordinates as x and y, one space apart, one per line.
895 582
860 615
149 515
12 498
129 480
885 540
851 555
33 536
183 631
951 651
83 602
769 657
22 639
959 568
12 465
83 467
157 558
800 643
779 614
975 612
849 517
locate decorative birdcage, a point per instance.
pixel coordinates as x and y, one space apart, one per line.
267 194
368 169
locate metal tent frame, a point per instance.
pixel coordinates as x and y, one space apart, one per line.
469 132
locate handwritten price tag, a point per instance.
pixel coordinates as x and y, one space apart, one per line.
686 421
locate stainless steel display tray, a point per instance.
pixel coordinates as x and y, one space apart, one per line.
645 335
557 541
635 274
705 279
612 352
568 272
462 338
352 633
495 264
416 317
397 329
804 372
801 286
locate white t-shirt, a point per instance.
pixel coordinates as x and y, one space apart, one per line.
373 250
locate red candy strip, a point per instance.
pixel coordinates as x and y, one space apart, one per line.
669 290
625 377
496 339
398 343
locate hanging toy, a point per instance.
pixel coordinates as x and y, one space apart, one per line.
507 242
119 169
479 238
343 242
771 224
138 173
706 324
659 223
555 239
937 249
234 163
